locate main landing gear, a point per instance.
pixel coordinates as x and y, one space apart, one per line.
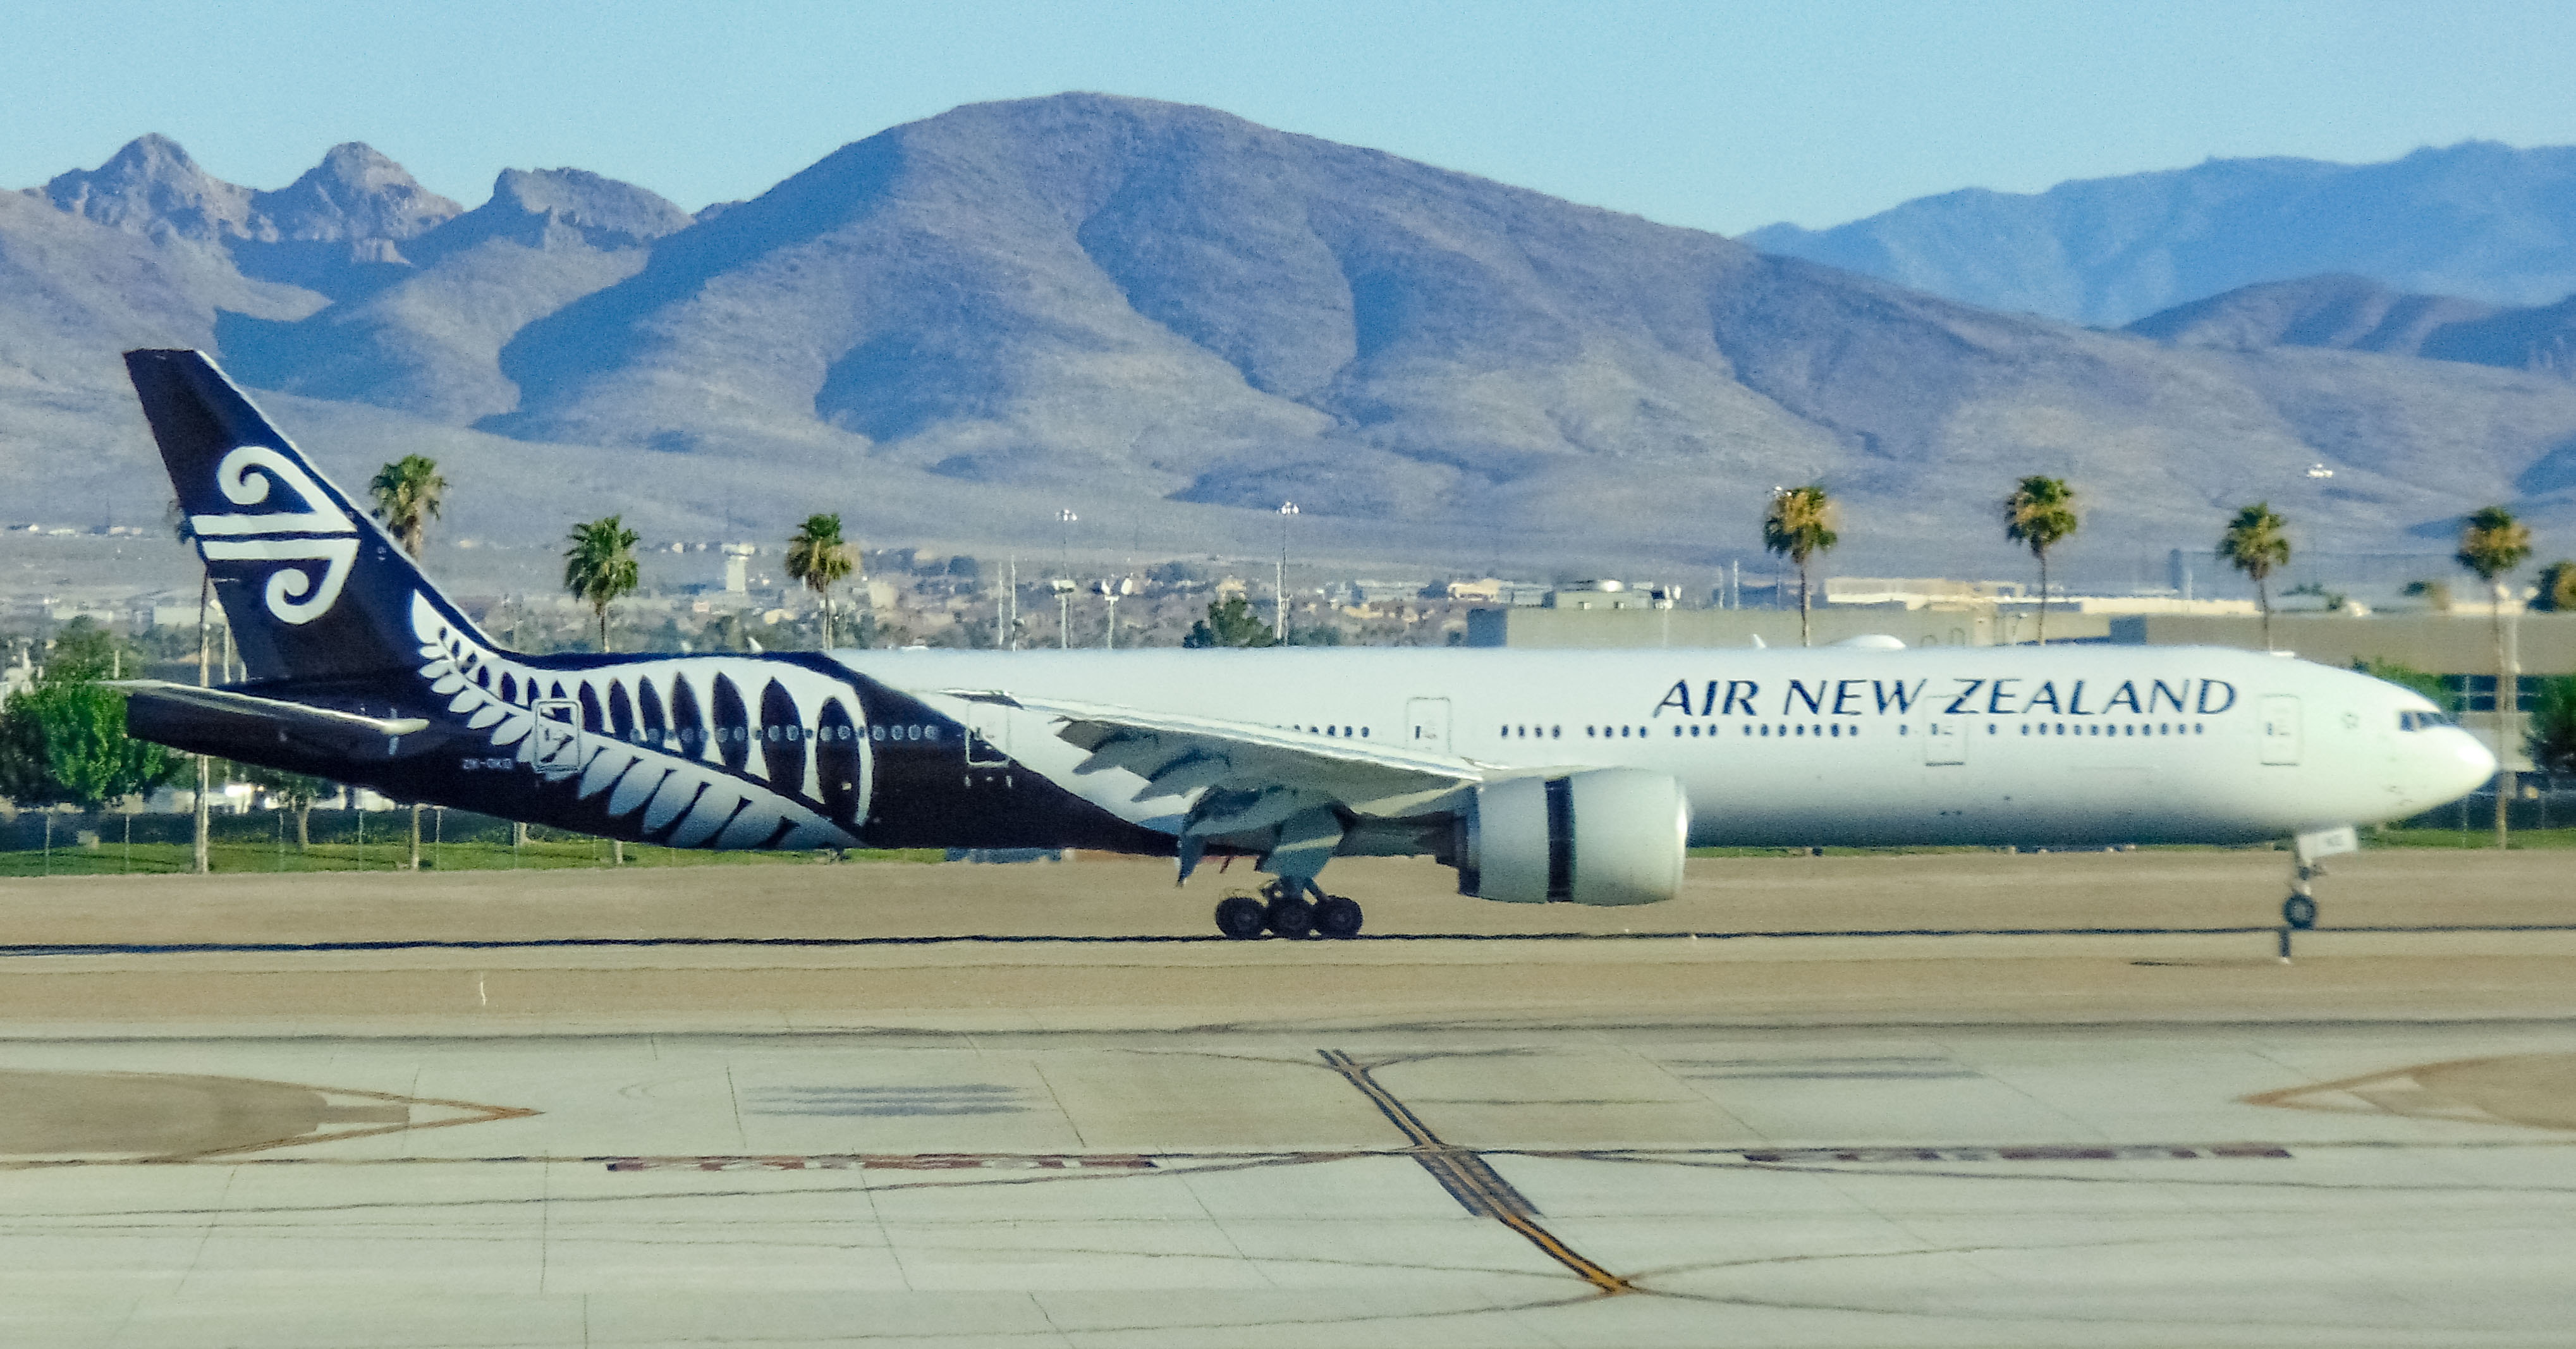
1282 909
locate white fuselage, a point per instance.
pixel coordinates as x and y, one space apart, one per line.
2086 744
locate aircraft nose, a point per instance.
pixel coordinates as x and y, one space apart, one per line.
2470 763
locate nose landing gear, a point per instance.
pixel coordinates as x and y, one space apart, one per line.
2300 909
1282 909
2308 852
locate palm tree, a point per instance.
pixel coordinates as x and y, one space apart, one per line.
599 567
201 858
2257 542
2491 544
2039 515
1799 525
407 494
817 557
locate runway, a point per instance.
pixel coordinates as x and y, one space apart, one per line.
2078 1137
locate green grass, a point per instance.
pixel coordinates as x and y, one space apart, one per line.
2478 836
111 857
1837 852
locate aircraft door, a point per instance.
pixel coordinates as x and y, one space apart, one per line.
1428 719
557 754
840 763
988 735
1945 741
2280 729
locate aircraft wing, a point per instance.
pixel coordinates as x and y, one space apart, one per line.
310 723
1258 787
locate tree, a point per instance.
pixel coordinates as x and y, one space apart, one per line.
818 558
2257 543
2332 601
2039 515
2557 589
1230 622
1799 525
299 791
64 740
2435 594
26 772
2493 543
84 651
2551 742
183 527
2408 677
599 567
408 493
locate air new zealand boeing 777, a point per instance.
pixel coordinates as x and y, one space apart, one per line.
1538 775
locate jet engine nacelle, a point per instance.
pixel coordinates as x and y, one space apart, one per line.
1600 836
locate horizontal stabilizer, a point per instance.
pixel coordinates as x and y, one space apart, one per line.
320 724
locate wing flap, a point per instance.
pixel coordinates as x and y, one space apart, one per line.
1249 779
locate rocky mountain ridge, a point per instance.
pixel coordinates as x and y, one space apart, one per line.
2481 220
1175 319
2352 313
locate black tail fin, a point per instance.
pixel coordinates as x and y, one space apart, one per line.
313 587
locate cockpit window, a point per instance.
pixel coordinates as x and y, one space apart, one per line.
2422 721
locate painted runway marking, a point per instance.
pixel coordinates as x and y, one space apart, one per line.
2123 1152
1469 1178
956 1161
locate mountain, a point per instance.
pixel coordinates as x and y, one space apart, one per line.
2478 219
337 230
1089 291
1170 320
2353 313
429 340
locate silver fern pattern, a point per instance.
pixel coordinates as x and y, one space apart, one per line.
674 741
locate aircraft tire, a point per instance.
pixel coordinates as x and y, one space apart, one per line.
1338 918
2299 911
1291 917
1241 917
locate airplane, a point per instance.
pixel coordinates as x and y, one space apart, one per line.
1539 776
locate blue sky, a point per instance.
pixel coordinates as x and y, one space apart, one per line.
1718 116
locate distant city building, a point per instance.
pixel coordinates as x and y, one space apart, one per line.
1367 591
1918 592
1605 595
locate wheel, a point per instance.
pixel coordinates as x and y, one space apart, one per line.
1241 917
2299 911
1337 917
1291 917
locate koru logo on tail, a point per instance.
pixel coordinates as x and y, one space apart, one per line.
316 534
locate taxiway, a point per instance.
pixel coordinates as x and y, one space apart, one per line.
2049 1100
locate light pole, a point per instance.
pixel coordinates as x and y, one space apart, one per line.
1110 591
1063 612
1279 632
1064 588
